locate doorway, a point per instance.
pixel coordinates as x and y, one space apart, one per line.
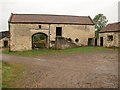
5 43
39 40
90 41
101 41
95 41
58 31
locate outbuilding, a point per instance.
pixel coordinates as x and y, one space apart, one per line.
4 39
79 30
110 35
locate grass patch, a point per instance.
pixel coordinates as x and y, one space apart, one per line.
49 51
11 72
0 75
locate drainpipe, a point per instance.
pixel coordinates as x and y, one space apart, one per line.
49 36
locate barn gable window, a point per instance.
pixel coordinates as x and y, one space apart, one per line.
110 37
39 26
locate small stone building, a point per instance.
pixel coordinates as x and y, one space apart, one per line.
4 39
78 29
110 35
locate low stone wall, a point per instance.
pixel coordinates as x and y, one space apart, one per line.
62 43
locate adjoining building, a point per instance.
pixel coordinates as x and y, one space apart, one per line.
4 39
110 35
79 30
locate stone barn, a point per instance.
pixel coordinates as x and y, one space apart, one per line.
110 35
4 39
24 28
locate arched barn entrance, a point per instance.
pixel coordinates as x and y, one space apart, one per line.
39 40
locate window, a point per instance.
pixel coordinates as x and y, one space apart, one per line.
39 26
69 39
52 42
76 40
110 37
5 43
58 31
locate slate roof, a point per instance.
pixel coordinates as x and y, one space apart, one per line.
112 27
50 19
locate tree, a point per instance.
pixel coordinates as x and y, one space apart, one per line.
100 21
38 37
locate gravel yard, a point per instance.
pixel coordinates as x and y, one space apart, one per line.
96 69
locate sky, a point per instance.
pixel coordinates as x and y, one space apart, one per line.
60 7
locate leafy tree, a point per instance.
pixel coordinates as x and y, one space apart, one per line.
100 21
38 37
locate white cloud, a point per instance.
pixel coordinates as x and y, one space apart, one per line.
67 7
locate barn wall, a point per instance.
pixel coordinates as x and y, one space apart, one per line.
81 32
20 34
2 41
106 43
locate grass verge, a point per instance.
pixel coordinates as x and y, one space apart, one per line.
49 51
11 72
0 75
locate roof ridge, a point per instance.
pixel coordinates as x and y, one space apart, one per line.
50 15
113 23
111 27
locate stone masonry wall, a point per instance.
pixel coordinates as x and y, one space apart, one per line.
21 34
81 32
106 43
63 43
2 41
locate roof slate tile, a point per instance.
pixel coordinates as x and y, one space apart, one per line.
50 19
